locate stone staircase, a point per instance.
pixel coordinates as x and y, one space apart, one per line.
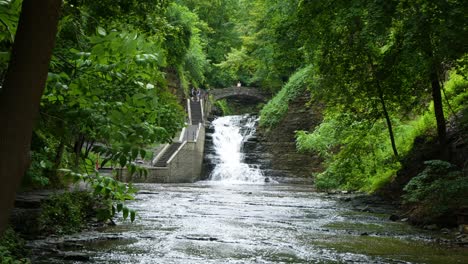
189 133
162 161
196 112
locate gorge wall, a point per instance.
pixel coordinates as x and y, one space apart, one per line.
278 147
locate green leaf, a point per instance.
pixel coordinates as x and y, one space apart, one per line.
101 31
123 160
98 189
142 153
119 207
131 169
125 213
134 153
132 215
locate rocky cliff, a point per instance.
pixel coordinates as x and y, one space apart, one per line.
278 148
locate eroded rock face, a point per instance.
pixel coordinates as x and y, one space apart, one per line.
279 147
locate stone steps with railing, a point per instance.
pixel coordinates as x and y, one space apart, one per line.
164 158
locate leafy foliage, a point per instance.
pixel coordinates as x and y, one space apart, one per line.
270 50
217 34
224 107
65 213
12 248
9 14
439 189
274 111
354 150
111 192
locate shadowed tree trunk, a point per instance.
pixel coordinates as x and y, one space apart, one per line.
389 122
21 94
438 109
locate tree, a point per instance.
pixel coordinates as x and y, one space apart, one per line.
350 44
434 34
21 93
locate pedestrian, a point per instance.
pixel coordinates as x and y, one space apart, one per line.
193 94
239 84
198 95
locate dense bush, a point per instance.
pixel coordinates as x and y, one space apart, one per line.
66 213
438 190
357 153
12 250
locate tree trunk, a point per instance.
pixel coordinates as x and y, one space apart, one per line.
384 109
77 147
53 176
438 108
21 94
388 120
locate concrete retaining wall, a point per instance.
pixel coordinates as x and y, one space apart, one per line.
187 163
184 166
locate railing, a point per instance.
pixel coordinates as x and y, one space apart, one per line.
189 111
160 154
176 152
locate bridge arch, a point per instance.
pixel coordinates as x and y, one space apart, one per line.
240 92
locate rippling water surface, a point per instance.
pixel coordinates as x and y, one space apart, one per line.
238 218
211 222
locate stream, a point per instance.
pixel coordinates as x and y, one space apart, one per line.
238 217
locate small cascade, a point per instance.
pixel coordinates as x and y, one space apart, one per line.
230 132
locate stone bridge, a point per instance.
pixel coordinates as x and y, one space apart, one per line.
251 93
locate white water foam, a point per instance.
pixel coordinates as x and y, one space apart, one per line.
229 134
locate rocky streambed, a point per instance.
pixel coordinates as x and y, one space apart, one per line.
209 222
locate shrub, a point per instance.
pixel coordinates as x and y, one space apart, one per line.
223 105
12 250
66 213
439 189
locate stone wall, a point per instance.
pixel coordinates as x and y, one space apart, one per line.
279 146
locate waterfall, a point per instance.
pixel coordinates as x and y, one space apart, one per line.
229 134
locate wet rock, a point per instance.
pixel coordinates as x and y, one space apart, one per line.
147 192
364 234
76 256
394 217
462 240
198 238
345 199
404 219
463 229
445 230
363 208
430 227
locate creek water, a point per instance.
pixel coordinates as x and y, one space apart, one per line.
237 217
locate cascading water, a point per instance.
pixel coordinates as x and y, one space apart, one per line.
229 134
